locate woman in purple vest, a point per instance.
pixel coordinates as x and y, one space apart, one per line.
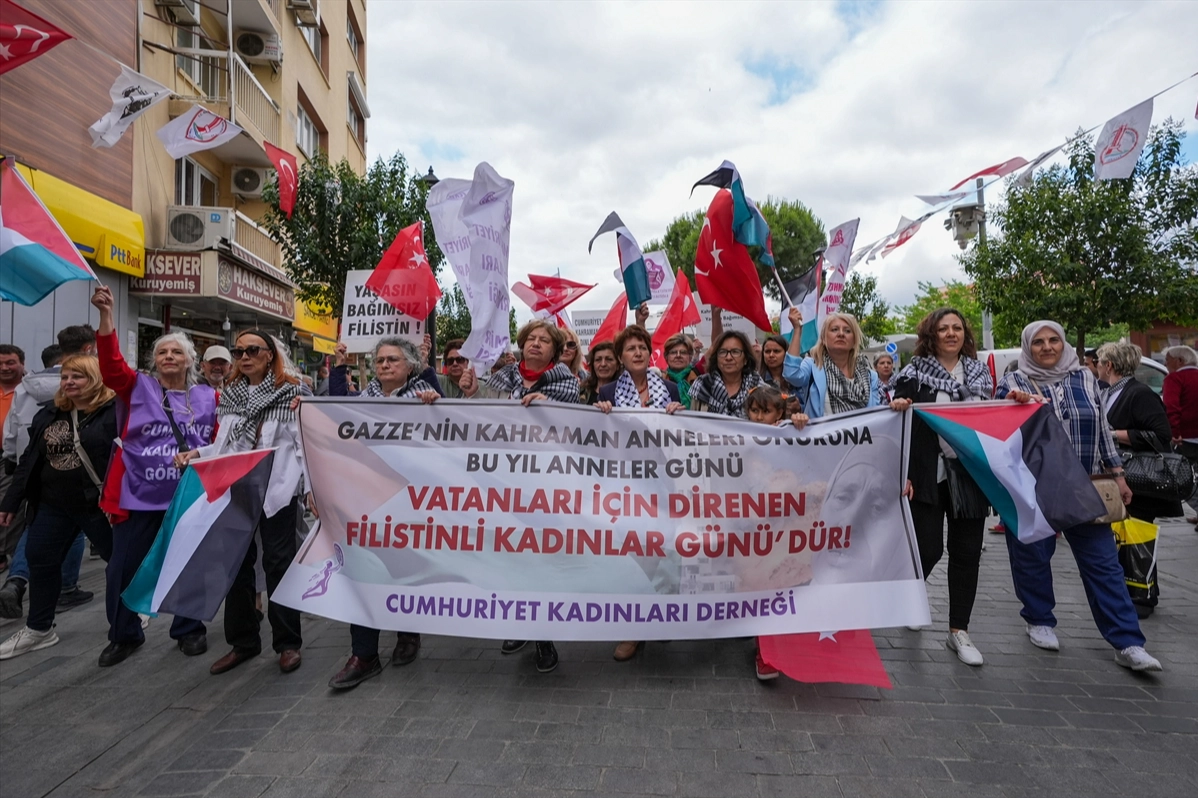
159 414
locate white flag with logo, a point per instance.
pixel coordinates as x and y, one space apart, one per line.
836 267
1119 145
132 95
661 277
473 223
198 129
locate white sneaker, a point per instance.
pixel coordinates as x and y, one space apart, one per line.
1043 637
968 653
27 640
915 627
1136 659
145 620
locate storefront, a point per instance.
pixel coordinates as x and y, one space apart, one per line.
316 331
111 238
210 295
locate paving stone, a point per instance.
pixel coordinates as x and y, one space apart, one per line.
856 744
610 755
206 760
889 767
797 785
277 764
241 785
871 786
180 783
749 762
489 773
716 784
639 782
561 777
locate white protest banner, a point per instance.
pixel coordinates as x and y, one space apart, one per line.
1121 141
473 223
836 266
366 317
132 95
661 276
560 522
730 320
586 324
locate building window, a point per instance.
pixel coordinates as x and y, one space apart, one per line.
353 118
311 136
357 44
203 71
194 185
318 42
312 37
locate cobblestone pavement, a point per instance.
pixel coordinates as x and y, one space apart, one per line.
683 718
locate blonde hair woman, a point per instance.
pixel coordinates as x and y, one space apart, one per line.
70 443
836 377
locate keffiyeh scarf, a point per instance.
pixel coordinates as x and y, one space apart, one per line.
711 391
410 389
930 372
255 405
848 395
558 384
628 397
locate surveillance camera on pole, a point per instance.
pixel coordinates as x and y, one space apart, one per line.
964 222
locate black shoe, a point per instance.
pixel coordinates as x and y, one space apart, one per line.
74 596
356 670
117 651
194 644
10 598
406 649
92 554
511 647
546 656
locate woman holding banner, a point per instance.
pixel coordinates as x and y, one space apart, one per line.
945 369
603 368
168 411
538 375
397 364
836 377
1049 371
256 411
731 374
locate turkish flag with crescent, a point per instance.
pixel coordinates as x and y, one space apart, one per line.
287 169
24 36
549 293
404 278
615 321
724 271
680 311
847 656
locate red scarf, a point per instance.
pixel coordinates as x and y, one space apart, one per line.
530 375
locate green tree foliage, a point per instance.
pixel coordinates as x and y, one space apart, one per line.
861 299
1090 254
344 221
796 232
962 296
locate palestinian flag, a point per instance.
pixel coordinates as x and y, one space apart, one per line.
204 537
1022 459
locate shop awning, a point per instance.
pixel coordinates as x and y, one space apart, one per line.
318 322
112 236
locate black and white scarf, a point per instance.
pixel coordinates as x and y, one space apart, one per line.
848 395
931 373
628 397
255 405
711 391
558 384
412 388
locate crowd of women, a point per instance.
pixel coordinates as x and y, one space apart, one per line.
71 481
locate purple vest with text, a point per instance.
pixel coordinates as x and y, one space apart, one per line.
149 443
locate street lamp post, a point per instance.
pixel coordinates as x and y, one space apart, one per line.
987 317
430 322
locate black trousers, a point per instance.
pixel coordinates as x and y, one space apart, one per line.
964 552
131 542
241 617
364 641
52 531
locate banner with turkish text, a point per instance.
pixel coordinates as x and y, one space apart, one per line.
554 522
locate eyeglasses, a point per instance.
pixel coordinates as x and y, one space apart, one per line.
730 353
454 361
570 345
389 359
253 351
677 351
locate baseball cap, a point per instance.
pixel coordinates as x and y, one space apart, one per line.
217 351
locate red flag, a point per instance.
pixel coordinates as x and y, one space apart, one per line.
999 170
288 171
724 271
847 656
24 36
680 311
615 321
550 294
403 277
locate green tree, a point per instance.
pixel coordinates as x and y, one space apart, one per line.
797 234
1091 253
962 296
344 221
861 299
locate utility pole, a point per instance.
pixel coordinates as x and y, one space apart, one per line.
987 318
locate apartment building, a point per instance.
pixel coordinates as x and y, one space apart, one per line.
288 72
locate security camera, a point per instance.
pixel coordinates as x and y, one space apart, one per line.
964 222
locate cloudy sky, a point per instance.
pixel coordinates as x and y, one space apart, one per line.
851 108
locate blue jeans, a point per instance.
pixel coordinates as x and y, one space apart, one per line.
1097 558
70 566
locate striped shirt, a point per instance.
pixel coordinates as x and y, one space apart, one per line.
1077 402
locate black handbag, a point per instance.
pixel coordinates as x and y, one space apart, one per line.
1160 475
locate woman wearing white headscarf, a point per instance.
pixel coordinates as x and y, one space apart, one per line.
1049 371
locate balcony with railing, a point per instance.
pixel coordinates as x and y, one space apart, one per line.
254 245
224 84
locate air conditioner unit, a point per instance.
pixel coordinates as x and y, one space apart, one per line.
258 48
307 12
187 12
191 227
249 180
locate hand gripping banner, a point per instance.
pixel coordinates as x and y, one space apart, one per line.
558 522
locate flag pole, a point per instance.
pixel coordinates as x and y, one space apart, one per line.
781 287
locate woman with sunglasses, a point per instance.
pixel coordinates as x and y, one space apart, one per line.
572 356
397 363
256 411
168 411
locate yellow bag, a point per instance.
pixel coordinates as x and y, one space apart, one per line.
1137 554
